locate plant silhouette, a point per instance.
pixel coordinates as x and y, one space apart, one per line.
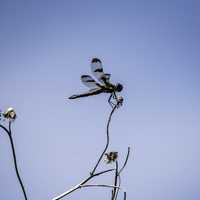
9 116
111 157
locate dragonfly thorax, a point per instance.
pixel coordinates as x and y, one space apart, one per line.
119 87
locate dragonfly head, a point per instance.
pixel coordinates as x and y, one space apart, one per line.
119 87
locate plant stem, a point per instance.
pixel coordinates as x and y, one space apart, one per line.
115 181
126 160
9 132
124 195
81 184
101 185
93 174
107 139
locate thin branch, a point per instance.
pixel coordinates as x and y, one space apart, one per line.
103 172
78 186
93 174
107 139
9 127
119 185
124 195
115 181
81 185
5 129
101 185
127 156
9 132
119 177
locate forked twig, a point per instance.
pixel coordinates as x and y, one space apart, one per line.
81 184
93 174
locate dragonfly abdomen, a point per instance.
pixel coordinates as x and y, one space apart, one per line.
86 94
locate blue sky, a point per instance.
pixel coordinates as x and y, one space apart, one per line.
151 47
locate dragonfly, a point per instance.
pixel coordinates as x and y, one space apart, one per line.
102 85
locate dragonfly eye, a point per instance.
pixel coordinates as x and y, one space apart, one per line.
119 87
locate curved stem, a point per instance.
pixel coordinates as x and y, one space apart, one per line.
107 139
9 132
93 174
126 160
5 129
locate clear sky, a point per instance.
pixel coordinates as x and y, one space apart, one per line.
151 47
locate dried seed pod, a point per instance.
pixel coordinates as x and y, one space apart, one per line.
111 156
120 101
10 114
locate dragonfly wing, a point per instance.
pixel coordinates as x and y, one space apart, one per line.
106 78
94 90
97 71
88 81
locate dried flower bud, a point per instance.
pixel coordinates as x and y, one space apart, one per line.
10 114
120 101
111 156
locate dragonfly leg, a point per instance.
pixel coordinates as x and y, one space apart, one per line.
110 102
115 98
119 100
